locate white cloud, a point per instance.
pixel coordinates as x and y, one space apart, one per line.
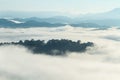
98 63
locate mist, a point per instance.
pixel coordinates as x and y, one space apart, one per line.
99 62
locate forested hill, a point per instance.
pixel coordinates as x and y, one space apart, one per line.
6 23
52 47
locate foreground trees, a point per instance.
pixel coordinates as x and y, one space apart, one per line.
53 47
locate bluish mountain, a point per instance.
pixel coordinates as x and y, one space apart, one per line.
110 18
34 23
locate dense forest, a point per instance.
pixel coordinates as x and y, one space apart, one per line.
52 47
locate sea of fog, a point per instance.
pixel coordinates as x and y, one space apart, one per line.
101 62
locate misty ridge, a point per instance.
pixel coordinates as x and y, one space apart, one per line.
52 47
37 22
98 20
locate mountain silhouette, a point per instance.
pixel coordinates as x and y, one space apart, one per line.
36 23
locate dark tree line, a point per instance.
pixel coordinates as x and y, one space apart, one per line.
53 47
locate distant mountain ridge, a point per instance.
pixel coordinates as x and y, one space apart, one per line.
112 14
110 18
99 20
30 23
36 23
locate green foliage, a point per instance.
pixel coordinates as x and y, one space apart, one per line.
53 47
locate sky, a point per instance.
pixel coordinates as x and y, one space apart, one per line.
69 6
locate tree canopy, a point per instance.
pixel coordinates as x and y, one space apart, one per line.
52 47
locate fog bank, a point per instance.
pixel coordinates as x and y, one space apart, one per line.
101 62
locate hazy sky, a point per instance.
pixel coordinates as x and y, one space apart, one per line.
71 6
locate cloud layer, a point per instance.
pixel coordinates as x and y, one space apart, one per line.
99 62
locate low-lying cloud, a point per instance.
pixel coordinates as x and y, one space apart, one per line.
98 63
